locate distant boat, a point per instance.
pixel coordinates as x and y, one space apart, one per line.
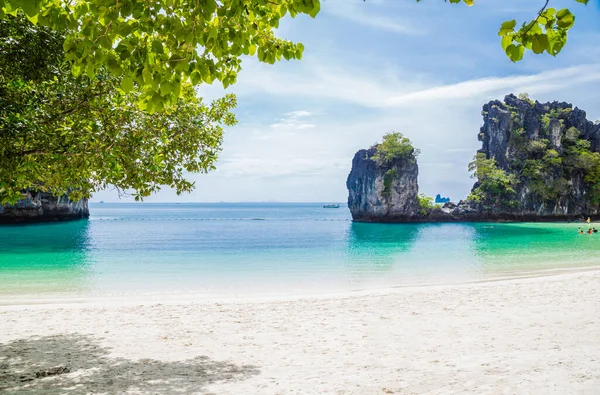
331 206
101 201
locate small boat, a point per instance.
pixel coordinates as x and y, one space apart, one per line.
331 206
101 201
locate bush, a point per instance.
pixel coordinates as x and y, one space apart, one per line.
571 136
525 96
495 185
425 204
538 146
394 147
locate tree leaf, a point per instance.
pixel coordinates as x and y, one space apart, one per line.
565 19
127 84
515 52
507 27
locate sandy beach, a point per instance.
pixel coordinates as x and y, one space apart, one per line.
523 336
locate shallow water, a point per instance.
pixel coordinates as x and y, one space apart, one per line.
267 249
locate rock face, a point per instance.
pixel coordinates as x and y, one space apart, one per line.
375 196
43 207
538 147
509 134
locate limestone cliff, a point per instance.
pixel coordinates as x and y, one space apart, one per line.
549 150
538 162
43 207
384 192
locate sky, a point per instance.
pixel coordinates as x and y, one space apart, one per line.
380 66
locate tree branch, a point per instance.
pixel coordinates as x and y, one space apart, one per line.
536 19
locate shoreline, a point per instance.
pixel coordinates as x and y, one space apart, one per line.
468 218
174 298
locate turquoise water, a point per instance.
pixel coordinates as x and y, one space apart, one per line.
267 249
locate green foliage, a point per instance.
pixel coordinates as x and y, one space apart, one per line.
592 177
394 147
518 139
546 33
547 175
525 97
426 204
77 135
494 185
159 46
536 147
388 179
571 136
579 158
545 122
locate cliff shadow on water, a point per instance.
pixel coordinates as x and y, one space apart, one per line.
539 162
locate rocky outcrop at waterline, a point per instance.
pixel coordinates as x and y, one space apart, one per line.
43 207
538 162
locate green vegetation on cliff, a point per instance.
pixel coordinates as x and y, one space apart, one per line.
388 178
426 204
494 186
394 147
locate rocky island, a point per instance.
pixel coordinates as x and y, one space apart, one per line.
43 207
538 162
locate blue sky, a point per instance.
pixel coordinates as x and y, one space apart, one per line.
379 66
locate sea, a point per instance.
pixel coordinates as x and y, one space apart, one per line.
268 249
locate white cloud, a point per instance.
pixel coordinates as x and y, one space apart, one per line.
345 85
293 121
534 84
378 22
299 114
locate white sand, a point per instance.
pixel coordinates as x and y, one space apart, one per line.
526 336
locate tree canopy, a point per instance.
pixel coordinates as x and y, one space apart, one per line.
158 45
63 133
